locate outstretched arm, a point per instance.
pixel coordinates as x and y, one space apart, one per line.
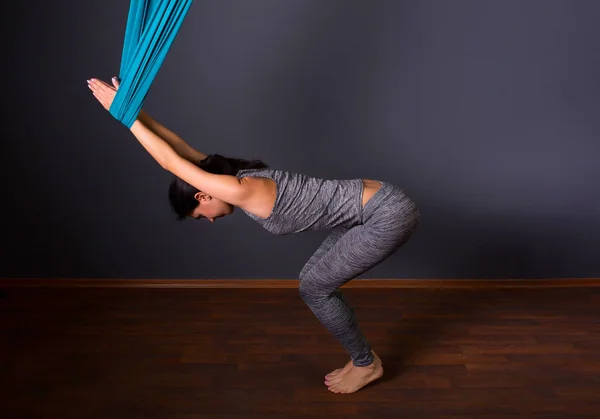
179 145
175 141
224 187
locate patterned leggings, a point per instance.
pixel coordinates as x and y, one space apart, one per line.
388 220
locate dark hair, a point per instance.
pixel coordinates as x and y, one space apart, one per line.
181 193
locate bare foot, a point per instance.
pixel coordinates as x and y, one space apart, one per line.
352 378
344 370
339 371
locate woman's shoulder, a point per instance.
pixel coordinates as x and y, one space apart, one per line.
265 171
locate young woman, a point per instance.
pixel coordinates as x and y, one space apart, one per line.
368 221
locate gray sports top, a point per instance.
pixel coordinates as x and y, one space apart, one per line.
308 203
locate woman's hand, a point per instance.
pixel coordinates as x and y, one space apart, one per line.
104 92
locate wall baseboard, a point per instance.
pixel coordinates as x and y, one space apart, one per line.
293 283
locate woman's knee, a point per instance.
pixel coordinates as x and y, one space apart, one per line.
306 291
310 291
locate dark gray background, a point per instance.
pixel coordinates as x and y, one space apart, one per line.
485 112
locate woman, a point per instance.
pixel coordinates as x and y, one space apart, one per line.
368 220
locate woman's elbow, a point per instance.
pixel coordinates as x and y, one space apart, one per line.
167 163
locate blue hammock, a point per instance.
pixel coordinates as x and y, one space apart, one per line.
152 26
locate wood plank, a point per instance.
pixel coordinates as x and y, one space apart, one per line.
99 352
362 283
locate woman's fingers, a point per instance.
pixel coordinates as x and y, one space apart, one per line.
101 86
102 91
94 86
115 82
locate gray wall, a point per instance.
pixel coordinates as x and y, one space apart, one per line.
486 112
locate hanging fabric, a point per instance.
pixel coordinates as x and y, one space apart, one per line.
152 26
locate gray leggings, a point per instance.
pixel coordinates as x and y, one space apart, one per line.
389 219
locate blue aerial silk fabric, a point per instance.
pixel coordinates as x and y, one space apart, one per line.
152 26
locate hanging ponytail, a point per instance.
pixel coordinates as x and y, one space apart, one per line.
215 163
181 194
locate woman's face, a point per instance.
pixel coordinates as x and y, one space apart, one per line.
210 208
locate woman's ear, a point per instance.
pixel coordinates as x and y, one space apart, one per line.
201 196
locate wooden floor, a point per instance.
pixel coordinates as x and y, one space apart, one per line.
259 353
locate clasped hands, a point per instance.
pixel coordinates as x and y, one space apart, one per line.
104 92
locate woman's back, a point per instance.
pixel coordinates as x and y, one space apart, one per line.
308 203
